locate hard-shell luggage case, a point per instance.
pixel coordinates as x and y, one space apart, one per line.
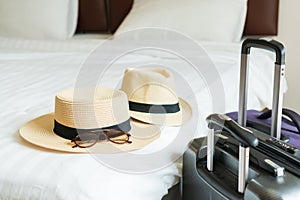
222 171
269 159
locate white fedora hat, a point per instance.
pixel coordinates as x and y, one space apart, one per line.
152 97
88 110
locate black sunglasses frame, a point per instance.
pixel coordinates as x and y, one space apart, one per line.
106 134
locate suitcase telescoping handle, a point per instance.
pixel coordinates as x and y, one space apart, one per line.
278 48
241 134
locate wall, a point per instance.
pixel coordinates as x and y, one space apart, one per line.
289 35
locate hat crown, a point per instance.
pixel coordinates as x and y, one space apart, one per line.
149 85
89 108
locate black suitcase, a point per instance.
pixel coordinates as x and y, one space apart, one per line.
222 171
274 165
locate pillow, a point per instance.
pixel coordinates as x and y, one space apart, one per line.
39 19
209 20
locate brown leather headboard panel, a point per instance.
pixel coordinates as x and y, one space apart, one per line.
106 15
102 15
262 17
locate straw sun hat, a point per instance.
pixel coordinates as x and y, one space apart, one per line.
152 97
85 109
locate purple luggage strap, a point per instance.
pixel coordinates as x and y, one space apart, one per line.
262 122
295 118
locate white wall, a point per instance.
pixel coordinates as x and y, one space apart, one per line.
289 35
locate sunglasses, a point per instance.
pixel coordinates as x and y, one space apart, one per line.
89 139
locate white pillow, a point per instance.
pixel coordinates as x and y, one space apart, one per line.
41 19
209 20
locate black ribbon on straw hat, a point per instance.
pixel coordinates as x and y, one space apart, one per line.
154 108
70 133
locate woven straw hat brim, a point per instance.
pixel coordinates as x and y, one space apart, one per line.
168 119
40 132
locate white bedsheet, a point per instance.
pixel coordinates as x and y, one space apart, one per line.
32 72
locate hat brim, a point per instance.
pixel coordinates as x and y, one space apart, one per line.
40 132
169 119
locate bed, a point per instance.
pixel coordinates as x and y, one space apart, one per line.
33 71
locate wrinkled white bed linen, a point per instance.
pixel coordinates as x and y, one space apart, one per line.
32 72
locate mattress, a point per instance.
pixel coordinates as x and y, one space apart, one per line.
33 71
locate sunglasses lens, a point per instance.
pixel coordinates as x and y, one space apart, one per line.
86 140
113 133
121 139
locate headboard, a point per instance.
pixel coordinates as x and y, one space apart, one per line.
104 16
262 17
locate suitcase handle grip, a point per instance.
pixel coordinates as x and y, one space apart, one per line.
241 134
270 45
